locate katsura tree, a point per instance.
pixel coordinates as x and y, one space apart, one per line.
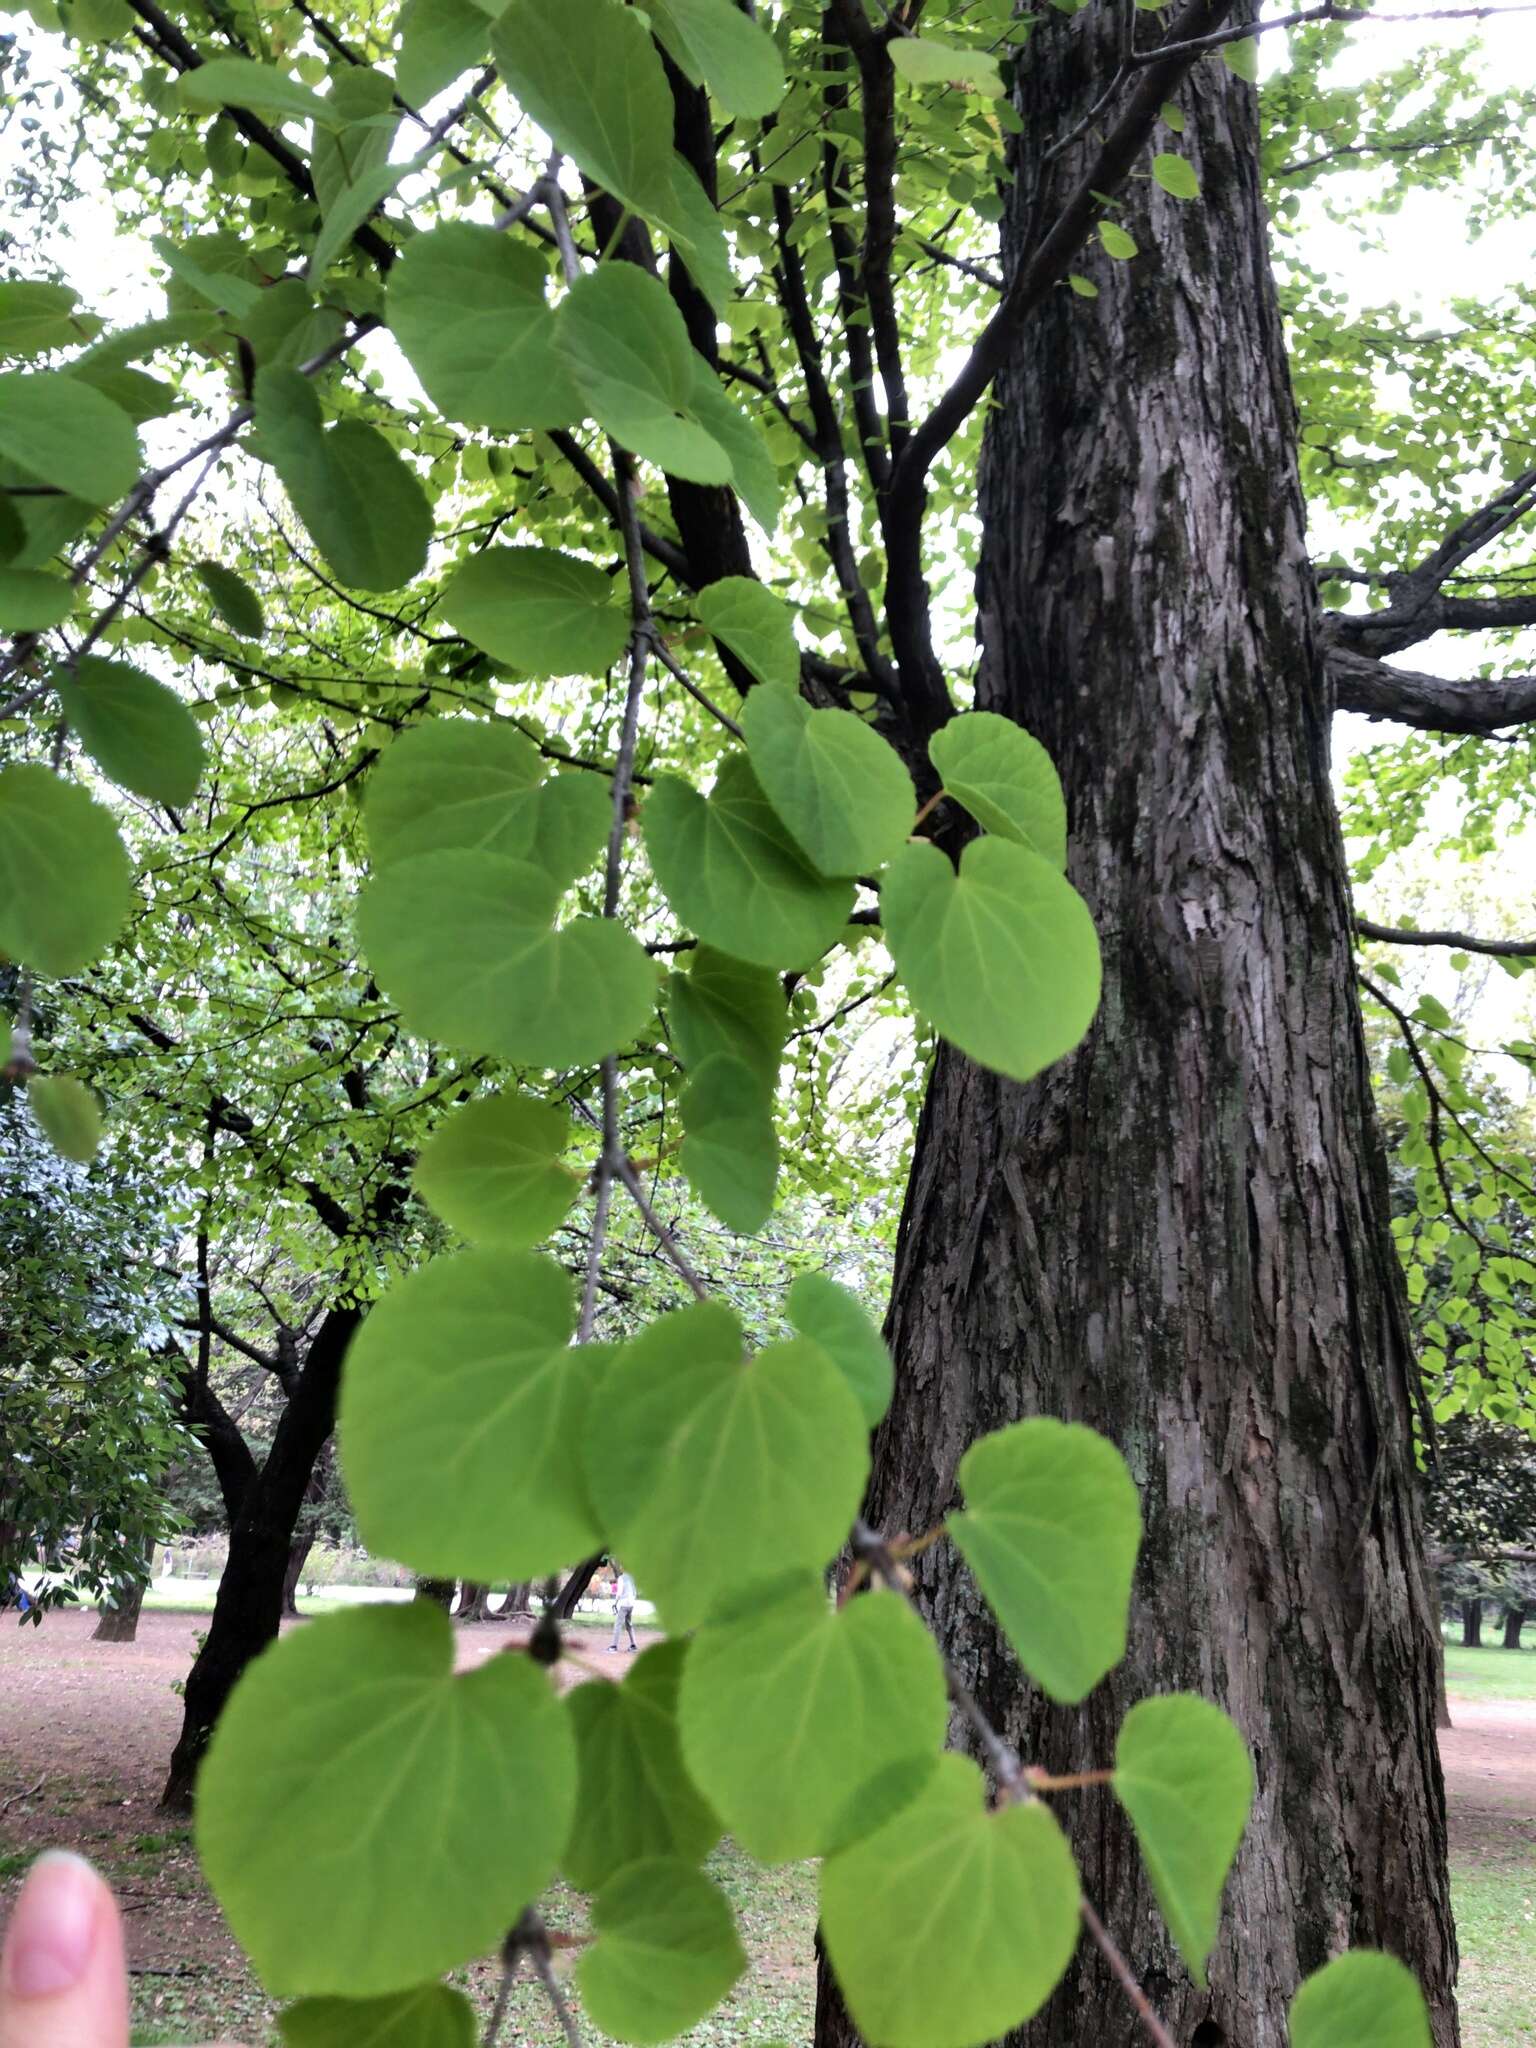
655 584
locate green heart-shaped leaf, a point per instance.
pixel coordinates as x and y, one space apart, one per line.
634 1797
466 1369
745 616
950 1925
1005 779
1183 1774
733 874
1003 957
35 317
432 2016
543 613
666 1952
493 1171
730 1152
439 40
1363 1999
59 429
1051 1528
725 1005
32 601
463 943
842 791
261 89
349 1857
794 1711
473 785
233 599
69 1113
692 1450
136 730
833 1317
467 305
628 349
754 473
65 884
719 46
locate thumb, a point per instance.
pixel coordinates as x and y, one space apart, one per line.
63 1980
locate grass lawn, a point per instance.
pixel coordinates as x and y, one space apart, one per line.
1496 1922
1491 1673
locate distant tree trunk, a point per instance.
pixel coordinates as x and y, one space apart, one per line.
438 1591
248 1611
570 1595
118 1622
1514 1621
1442 1703
298 1557
1471 1624
472 1601
518 1600
1180 1234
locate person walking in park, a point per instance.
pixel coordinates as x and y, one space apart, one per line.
623 1606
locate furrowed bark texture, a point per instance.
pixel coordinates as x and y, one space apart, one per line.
1179 1235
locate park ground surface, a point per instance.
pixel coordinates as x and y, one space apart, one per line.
86 1730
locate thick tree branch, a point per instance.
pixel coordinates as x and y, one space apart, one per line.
1459 942
1482 706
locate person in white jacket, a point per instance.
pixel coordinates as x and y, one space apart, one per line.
623 1606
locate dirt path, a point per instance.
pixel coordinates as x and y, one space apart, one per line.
1490 1779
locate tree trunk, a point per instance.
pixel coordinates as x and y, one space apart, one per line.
472 1601
518 1601
1442 1703
1180 1234
298 1557
571 1593
1514 1621
1471 1624
119 1622
248 1610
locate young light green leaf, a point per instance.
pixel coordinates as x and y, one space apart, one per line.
471 785
1176 175
1171 117
431 2016
439 40
1242 57
467 305
1117 242
136 730
1051 1528
692 1451
733 874
35 317
730 1151
1003 957
1005 779
69 1113
833 1317
465 944
1364 1999
745 616
67 434
1183 1774
628 349
543 613
259 88
587 72
924 60
65 883
364 509
634 1798
31 601
843 791
1083 286
666 1952
724 1005
347 1856
492 1170
805 1723
233 599
754 475
950 1925
718 46
466 1369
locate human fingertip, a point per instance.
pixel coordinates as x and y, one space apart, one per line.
53 1929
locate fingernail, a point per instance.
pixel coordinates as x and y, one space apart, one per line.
53 1928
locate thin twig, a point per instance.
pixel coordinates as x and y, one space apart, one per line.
1125 1977
544 1970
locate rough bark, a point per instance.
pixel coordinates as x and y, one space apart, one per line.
571 1593
1442 1701
1179 1235
1471 1624
1514 1621
473 1600
247 1613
